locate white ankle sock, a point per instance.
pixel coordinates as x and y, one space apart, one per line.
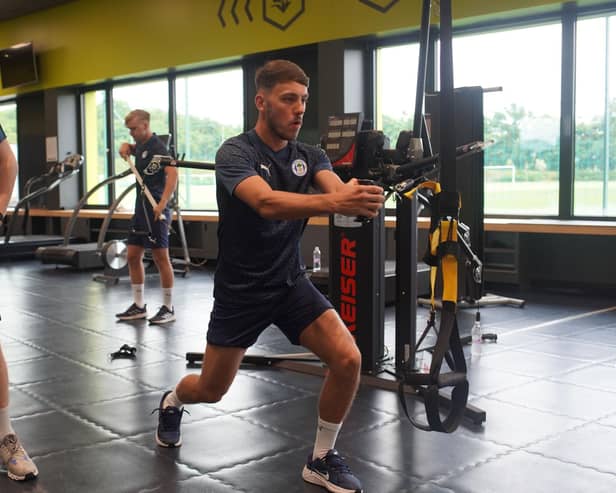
172 400
138 298
326 438
5 423
167 298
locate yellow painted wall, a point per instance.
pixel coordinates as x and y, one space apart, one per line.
91 40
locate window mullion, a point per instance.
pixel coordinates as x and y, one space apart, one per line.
567 119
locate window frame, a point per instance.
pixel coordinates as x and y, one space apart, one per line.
567 15
108 86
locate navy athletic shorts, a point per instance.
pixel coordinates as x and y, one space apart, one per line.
139 235
239 325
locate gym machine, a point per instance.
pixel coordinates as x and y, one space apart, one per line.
78 255
25 245
111 254
355 287
357 267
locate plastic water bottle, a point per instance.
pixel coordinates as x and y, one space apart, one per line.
476 336
316 259
423 360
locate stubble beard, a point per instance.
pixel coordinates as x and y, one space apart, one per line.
279 130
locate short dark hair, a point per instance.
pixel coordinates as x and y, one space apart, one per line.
278 71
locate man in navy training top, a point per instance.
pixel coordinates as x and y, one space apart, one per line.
147 230
263 179
12 454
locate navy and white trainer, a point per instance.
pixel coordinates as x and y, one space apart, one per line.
163 316
133 312
168 433
332 473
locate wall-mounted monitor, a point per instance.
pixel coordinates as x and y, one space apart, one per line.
18 65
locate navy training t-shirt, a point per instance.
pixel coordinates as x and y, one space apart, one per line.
153 176
259 257
2 134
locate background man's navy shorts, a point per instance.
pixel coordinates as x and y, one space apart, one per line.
235 324
160 231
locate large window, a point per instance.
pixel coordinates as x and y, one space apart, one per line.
522 166
595 118
209 109
8 120
523 119
396 84
152 97
95 139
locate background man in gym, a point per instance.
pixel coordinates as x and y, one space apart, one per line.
18 464
162 183
263 178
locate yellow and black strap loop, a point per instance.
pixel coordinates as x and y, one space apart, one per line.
442 256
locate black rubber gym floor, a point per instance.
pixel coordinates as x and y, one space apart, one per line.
548 387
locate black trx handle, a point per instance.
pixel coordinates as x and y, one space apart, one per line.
429 384
448 343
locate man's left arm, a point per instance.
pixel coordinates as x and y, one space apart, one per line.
327 181
171 181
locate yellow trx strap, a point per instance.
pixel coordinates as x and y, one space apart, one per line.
443 239
442 255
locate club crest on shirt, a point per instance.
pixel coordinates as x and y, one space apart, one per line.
144 154
152 168
299 167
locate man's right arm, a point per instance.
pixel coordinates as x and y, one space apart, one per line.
235 170
126 150
8 173
349 199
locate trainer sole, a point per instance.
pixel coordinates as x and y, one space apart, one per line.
133 317
314 477
162 322
28 477
168 445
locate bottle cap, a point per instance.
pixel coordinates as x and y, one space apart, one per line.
477 317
